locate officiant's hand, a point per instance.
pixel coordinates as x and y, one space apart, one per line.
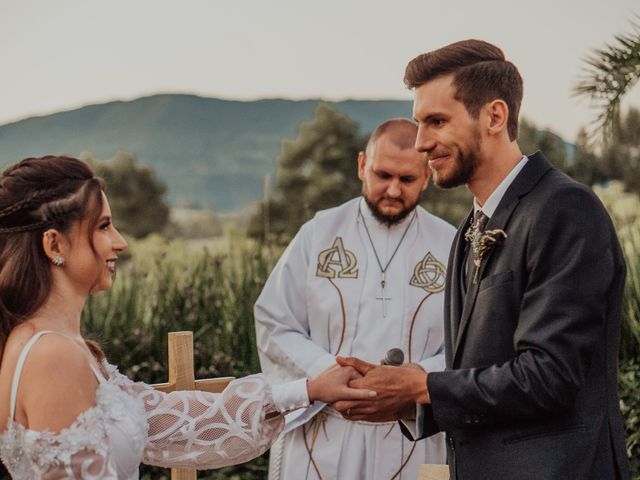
398 390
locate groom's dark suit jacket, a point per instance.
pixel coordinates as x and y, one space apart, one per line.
530 390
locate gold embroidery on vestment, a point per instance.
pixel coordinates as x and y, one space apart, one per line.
429 274
344 315
337 259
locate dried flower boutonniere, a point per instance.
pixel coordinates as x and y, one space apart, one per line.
487 241
481 244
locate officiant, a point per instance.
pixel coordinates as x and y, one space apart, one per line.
358 280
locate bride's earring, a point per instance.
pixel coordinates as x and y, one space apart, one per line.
58 261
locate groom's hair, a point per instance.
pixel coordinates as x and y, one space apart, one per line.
481 74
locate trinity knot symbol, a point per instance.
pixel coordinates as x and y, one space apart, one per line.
337 260
429 274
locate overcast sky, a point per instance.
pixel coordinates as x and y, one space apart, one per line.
58 55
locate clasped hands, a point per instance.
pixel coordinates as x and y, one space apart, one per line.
376 393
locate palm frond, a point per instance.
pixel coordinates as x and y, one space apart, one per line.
609 74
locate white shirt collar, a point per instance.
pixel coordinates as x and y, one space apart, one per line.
492 202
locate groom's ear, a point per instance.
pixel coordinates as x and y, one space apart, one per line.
497 116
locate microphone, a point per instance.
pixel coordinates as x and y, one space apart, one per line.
394 357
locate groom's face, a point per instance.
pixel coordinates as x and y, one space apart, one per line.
447 134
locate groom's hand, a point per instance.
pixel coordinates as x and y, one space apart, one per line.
398 390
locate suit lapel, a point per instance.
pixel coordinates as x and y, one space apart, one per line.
456 294
521 185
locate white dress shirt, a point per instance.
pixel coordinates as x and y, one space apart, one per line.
492 202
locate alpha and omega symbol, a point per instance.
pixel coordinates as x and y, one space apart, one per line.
429 274
337 259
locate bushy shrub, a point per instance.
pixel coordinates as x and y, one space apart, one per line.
629 381
629 376
625 210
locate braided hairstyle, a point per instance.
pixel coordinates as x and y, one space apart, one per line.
37 194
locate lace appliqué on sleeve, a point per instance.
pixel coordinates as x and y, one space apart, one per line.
191 429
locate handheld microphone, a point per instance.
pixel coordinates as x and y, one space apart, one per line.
394 357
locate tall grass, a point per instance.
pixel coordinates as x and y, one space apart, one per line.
630 344
629 376
169 287
624 208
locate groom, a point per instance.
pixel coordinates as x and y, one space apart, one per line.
532 301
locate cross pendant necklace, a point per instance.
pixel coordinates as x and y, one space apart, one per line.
382 297
383 271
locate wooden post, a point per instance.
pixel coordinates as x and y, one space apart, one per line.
181 377
433 472
266 206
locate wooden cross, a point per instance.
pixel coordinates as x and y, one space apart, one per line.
181 377
433 472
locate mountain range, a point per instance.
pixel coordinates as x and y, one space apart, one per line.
209 152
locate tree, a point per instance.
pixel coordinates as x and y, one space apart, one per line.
621 153
136 196
587 166
317 170
451 204
610 73
531 139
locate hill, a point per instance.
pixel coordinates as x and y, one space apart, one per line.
210 152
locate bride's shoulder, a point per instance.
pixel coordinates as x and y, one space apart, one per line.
57 355
56 383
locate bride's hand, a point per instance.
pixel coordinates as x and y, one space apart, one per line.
332 385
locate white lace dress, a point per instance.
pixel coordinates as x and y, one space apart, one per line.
133 423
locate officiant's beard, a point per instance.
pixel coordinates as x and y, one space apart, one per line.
386 219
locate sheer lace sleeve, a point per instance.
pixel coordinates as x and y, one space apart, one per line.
205 430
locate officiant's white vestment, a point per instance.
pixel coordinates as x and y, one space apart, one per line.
325 298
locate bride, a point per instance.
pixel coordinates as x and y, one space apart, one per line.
71 414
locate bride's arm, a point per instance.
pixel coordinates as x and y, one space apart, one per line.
206 430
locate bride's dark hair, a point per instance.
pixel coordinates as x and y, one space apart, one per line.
37 194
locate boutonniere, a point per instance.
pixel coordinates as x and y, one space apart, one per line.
482 243
488 240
